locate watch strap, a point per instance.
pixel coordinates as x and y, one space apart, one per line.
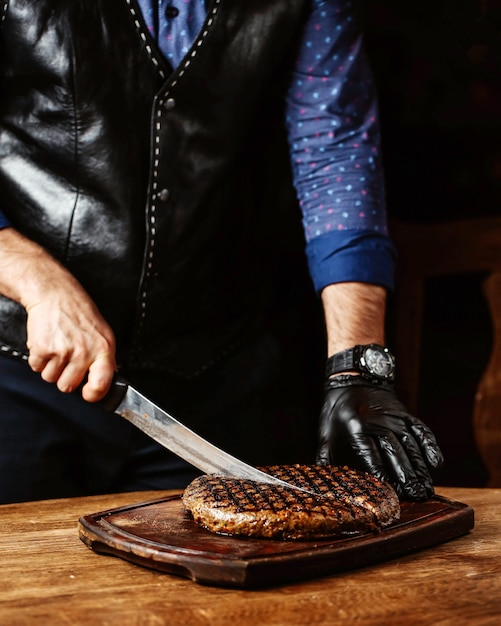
343 361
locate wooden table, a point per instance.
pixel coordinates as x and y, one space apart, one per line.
49 577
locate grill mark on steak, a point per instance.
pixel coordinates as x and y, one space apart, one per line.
348 501
344 484
248 495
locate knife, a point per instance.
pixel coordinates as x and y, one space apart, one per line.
126 401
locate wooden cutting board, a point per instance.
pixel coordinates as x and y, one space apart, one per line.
160 535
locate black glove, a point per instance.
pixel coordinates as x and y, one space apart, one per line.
365 426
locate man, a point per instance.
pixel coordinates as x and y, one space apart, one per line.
141 171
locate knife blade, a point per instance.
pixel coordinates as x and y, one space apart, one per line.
161 426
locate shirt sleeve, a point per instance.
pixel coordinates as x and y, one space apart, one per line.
332 123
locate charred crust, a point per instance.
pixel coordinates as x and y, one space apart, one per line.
347 501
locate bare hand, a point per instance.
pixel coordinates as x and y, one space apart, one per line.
67 338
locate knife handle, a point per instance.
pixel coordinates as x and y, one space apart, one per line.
115 395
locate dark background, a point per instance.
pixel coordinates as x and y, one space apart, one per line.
438 69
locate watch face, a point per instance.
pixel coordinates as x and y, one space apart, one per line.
379 362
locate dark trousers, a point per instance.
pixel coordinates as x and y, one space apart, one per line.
57 445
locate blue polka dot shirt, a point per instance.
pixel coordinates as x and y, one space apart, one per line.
331 119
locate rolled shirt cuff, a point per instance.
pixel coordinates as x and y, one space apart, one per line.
352 256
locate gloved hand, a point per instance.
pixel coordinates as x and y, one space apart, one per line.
365 426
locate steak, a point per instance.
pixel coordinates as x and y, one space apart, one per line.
347 501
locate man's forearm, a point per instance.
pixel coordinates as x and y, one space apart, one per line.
354 314
26 269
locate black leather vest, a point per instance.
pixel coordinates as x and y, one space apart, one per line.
149 184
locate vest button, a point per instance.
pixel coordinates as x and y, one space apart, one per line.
169 104
163 195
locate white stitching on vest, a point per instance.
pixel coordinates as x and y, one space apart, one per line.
4 10
156 160
149 50
187 60
12 352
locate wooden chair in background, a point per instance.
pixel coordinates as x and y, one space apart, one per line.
439 249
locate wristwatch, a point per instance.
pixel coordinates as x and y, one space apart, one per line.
372 361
